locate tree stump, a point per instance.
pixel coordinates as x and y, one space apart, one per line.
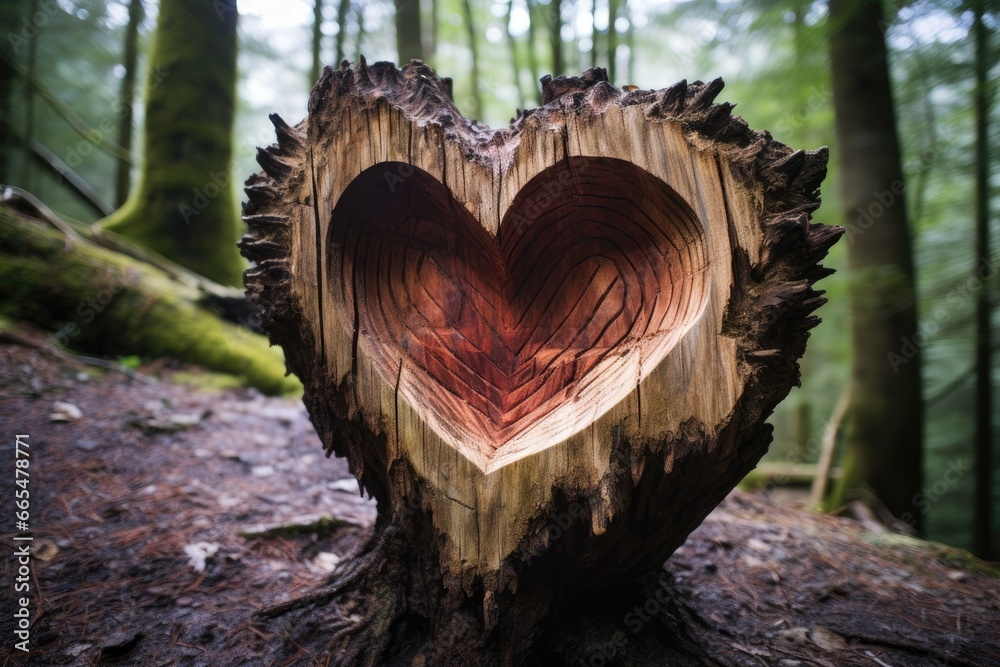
548 351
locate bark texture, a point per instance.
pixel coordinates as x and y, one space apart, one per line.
548 350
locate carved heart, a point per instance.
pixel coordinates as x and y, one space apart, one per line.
509 344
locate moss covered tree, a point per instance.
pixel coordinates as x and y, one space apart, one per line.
182 206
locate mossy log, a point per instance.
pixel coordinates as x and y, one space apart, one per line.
103 302
548 351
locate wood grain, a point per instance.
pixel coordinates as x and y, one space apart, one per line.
598 265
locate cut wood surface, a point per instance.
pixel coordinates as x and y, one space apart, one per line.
512 344
588 314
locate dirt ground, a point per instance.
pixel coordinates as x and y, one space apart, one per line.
163 517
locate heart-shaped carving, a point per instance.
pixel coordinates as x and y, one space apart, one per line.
509 344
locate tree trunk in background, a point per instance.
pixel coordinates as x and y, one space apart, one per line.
10 15
532 52
183 205
515 61
555 35
982 516
885 419
359 12
630 41
317 42
799 10
29 95
343 7
476 106
613 8
594 34
408 33
929 145
433 32
123 176
60 278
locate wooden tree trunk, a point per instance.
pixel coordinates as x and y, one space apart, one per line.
982 522
408 33
548 351
130 60
884 430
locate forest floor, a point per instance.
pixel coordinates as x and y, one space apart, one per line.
164 516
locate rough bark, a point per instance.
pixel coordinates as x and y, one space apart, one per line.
548 351
884 430
182 206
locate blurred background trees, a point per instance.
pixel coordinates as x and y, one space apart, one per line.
881 453
903 94
182 206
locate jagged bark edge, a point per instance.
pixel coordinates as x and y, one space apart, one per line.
770 308
778 288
